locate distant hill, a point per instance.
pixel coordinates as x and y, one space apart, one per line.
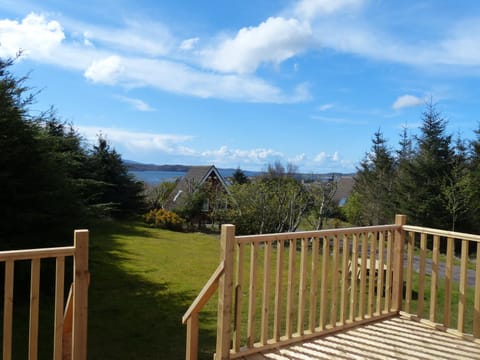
136 166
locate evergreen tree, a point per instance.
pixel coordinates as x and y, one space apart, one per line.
118 194
457 188
239 177
374 183
38 202
421 196
474 167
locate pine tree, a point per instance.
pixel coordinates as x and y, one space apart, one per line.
374 183
420 190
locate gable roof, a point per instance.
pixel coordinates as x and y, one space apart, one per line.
344 188
194 178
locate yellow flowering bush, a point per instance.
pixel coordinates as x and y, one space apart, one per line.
163 219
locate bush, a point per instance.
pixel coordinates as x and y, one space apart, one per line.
163 219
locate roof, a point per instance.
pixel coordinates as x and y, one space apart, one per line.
344 188
193 179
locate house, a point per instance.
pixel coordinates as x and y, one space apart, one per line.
196 178
344 188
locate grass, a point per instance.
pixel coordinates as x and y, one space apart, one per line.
142 282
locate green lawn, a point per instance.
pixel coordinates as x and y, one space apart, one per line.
142 282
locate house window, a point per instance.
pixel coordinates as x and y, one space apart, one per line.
206 205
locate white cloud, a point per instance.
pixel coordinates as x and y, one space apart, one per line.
35 35
323 157
110 64
145 37
139 141
462 44
189 44
407 101
458 48
337 120
308 9
325 107
273 41
138 104
174 145
107 70
331 162
257 156
182 79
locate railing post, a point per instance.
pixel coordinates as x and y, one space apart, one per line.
192 337
398 246
80 296
225 288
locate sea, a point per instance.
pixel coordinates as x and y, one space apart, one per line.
157 177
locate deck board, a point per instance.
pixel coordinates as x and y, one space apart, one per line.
394 338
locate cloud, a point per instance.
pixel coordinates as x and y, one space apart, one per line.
407 101
337 120
257 156
107 70
138 104
457 49
308 9
175 145
325 107
183 79
331 162
273 41
139 141
35 35
189 44
461 45
135 37
103 58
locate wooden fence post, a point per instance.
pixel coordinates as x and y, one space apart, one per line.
225 288
80 296
398 246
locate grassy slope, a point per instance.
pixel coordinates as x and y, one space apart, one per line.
142 281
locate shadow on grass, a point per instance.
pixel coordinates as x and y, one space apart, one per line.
131 317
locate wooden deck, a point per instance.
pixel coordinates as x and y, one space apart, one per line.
394 338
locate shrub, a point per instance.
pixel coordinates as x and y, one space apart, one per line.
164 219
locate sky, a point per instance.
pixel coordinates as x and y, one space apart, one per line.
247 83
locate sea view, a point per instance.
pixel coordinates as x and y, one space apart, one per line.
157 177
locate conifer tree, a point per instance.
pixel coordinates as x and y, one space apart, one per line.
421 196
374 183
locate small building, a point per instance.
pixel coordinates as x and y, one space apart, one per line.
196 178
344 189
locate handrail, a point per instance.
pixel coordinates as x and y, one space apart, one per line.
70 328
205 294
329 271
247 239
36 253
445 233
443 270
191 315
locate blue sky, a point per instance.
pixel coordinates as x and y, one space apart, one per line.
246 83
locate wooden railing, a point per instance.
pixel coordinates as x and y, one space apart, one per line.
70 319
277 289
442 286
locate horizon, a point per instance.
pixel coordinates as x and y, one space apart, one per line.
248 83
128 162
